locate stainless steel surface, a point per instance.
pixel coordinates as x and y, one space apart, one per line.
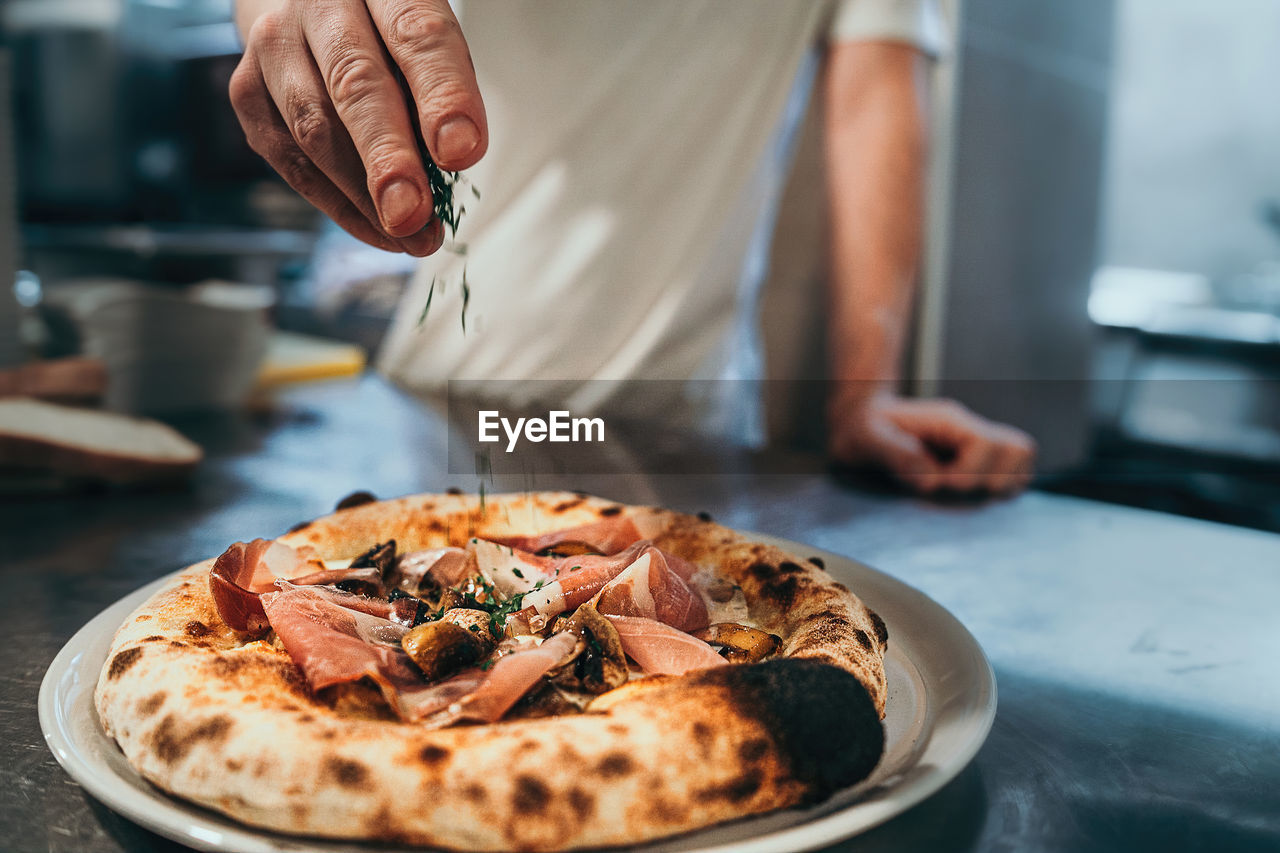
1137 654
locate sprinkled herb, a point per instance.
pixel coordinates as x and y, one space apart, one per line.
518 573
466 299
449 209
443 183
487 664
425 308
475 629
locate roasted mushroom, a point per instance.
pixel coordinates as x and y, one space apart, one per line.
598 663
570 549
741 644
457 639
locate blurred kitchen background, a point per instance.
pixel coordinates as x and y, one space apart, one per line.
1103 262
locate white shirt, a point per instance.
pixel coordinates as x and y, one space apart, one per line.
637 152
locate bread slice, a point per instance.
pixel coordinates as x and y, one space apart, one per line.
88 444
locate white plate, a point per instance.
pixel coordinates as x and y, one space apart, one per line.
942 700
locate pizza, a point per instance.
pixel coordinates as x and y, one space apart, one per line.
536 671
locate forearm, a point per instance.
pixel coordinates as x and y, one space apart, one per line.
875 156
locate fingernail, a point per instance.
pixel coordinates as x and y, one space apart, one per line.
398 202
457 137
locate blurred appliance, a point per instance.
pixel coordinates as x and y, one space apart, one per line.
167 350
123 118
10 348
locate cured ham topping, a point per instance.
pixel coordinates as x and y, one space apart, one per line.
662 650
510 678
443 567
650 588
605 537
248 569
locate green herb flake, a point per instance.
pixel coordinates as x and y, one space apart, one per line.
425 308
487 665
518 573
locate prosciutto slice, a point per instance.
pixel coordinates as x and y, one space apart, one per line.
333 644
607 536
662 650
649 587
506 682
445 567
246 570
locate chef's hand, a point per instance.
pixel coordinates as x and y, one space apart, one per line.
929 444
318 97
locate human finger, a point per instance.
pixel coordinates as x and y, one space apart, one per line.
366 96
271 139
427 44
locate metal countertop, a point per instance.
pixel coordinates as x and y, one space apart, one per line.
1137 654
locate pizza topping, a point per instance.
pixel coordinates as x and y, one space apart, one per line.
660 649
578 579
510 677
599 663
509 570
244 571
333 644
607 536
367 580
435 567
650 588
741 644
442 647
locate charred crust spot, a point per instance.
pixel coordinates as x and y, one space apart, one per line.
196 628
761 571
615 764
154 638
122 661
151 704
344 772
234 764
531 794
704 516
817 561
453 490
861 638
881 629
735 790
616 729
431 754
358 498
475 793
781 591
301 525
177 644
305 718
583 803
753 750
171 743
789 568
828 744
610 511
565 506
702 732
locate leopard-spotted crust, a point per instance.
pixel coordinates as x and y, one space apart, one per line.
232 726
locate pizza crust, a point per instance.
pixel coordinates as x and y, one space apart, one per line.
234 727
